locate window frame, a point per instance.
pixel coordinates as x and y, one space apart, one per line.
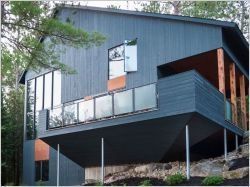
123 61
40 165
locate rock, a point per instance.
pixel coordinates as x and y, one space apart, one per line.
90 181
246 137
236 174
207 168
244 150
149 168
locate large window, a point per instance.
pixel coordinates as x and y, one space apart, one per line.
104 106
57 88
42 170
70 114
123 102
30 109
86 110
39 97
47 90
145 97
39 93
116 62
131 56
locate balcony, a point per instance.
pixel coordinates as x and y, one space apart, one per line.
136 126
104 107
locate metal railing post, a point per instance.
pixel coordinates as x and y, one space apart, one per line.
57 169
102 162
187 154
225 143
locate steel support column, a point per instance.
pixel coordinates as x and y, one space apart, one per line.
225 143
187 154
102 162
58 162
236 142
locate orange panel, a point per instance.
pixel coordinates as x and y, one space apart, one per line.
221 70
117 83
233 91
41 150
87 98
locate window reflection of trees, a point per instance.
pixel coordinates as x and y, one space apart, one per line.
30 109
56 118
70 114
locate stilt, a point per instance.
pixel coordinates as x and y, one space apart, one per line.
57 169
236 142
187 154
225 143
102 163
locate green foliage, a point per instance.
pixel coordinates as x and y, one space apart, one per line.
98 183
146 183
175 179
212 181
25 22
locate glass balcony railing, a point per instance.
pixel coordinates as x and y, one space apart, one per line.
106 106
228 111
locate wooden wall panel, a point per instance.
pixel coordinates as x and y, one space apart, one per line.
41 150
243 101
233 91
117 83
221 70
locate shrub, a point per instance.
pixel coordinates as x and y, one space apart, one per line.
98 183
175 179
146 183
212 181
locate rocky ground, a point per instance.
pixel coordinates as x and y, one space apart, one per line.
235 171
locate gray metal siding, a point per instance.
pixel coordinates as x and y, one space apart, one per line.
159 41
28 163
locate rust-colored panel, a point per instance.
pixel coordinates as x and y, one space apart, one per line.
117 83
243 101
233 91
41 150
221 70
87 98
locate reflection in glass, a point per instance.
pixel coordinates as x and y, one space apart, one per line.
45 170
103 106
86 110
39 93
70 114
37 170
57 88
123 102
30 109
116 62
47 90
131 56
145 97
55 117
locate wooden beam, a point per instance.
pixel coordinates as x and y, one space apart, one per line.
233 91
221 70
243 101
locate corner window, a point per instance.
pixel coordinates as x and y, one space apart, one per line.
131 56
30 109
42 170
116 62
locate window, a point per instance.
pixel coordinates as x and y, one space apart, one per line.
116 62
39 93
42 170
86 110
70 114
47 90
123 102
30 109
131 56
104 106
57 88
145 97
55 117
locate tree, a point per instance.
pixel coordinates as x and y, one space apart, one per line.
26 23
24 26
236 11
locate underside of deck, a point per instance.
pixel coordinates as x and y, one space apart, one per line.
157 140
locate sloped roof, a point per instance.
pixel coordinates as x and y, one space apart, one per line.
230 27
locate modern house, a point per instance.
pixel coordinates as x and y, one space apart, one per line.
160 88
